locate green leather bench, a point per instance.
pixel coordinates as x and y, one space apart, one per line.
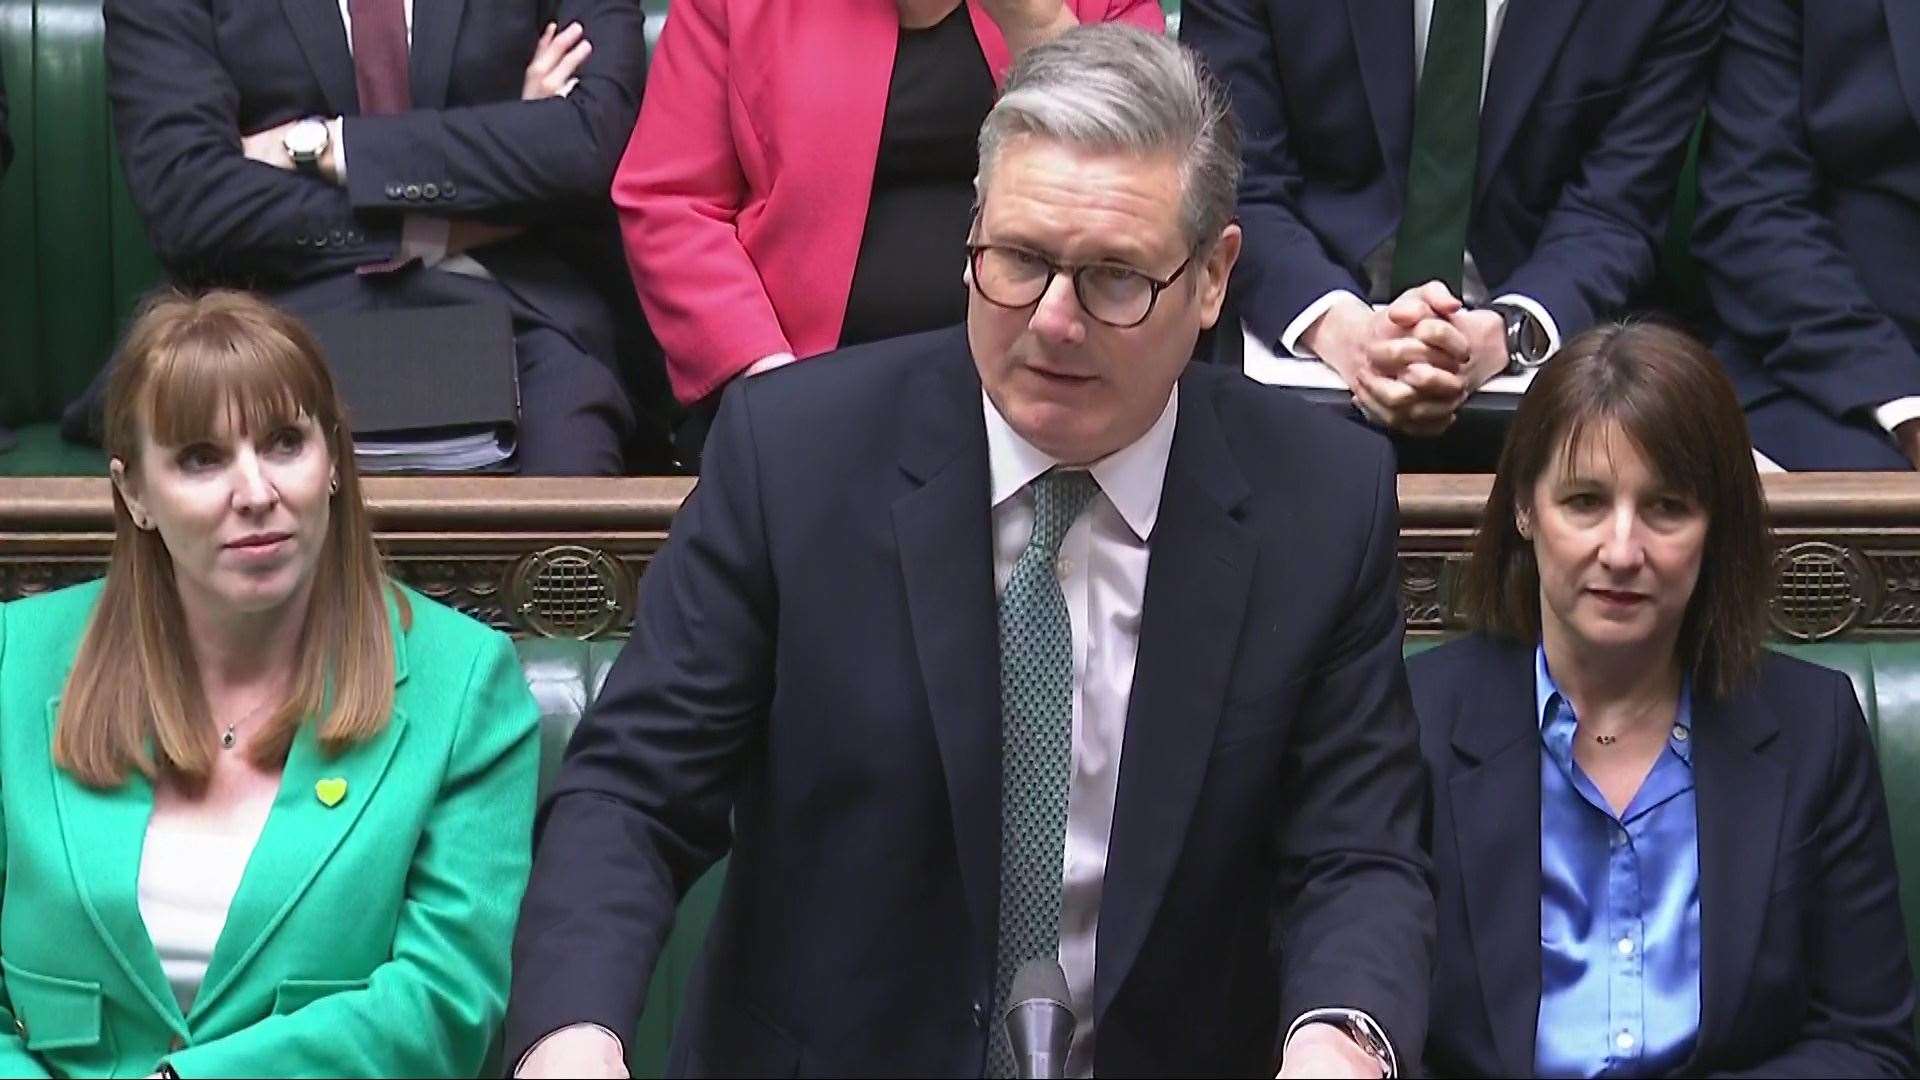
565 674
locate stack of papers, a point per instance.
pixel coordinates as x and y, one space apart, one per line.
465 452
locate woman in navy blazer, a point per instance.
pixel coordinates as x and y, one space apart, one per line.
1659 849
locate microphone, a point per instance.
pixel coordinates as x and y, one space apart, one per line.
1038 1022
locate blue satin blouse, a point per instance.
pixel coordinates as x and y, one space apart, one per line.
1619 907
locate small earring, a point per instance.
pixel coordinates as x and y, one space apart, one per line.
1524 529
334 487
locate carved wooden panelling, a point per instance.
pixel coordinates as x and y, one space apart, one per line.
563 558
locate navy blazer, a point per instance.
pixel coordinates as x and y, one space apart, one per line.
1809 215
1804 968
188 77
1588 108
812 683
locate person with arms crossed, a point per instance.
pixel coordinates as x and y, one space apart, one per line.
262 811
1103 667
1661 849
1522 155
378 155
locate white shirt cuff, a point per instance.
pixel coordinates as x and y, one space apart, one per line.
424 237
1897 412
584 1025
1290 337
768 363
337 138
1532 307
1340 1017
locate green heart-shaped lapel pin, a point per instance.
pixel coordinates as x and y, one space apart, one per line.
331 790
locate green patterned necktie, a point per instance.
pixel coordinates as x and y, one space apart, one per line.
1036 735
1432 242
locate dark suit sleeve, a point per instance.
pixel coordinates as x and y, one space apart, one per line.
519 162
641 806
212 214
1859 979
1598 246
1354 922
1284 267
1773 260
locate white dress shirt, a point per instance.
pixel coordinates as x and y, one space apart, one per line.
190 869
422 236
1102 568
1379 264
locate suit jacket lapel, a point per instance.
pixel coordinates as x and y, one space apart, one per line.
943 529
1198 577
1528 45
1383 36
301 834
1903 26
1496 824
104 834
1739 800
323 38
436 28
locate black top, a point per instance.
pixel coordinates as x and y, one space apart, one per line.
907 278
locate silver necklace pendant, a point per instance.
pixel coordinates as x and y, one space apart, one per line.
226 740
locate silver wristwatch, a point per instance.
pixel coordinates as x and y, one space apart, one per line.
1527 342
1359 1027
306 142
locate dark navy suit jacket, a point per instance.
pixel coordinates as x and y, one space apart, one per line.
1809 219
1804 966
188 77
1588 107
812 683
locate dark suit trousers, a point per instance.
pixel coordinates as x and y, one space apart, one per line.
1800 435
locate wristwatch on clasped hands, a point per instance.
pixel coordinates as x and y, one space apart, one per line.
306 141
1527 342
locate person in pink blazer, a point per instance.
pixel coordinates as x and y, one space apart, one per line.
800 175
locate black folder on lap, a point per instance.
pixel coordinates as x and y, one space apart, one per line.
426 389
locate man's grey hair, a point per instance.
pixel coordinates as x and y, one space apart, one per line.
1113 87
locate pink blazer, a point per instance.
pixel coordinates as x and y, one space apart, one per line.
743 191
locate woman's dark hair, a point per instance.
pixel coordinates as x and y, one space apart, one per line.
1670 398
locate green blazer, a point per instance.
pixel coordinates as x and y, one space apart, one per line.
367 938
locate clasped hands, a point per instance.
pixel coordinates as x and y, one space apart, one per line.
1411 364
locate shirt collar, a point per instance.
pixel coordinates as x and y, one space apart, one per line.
1546 693
1132 477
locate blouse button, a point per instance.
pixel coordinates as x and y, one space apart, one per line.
1624 1040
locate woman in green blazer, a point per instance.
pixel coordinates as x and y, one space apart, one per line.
262 813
